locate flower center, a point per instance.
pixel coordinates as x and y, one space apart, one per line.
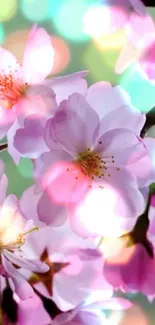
92 164
11 89
11 245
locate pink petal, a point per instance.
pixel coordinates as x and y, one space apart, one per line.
8 63
50 138
50 212
69 291
121 200
46 165
131 202
30 264
38 99
117 304
123 145
69 124
151 230
31 311
68 85
10 206
104 98
141 30
14 153
67 183
7 118
138 6
147 60
29 211
144 169
22 287
86 317
29 141
38 56
137 280
129 118
37 241
69 130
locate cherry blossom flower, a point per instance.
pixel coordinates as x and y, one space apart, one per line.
31 144
29 98
14 232
18 83
75 266
93 162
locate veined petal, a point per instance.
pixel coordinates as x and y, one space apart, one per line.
69 124
104 98
123 117
121 144
29 141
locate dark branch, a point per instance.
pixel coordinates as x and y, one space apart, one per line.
3 146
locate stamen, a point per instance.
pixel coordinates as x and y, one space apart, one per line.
93 165
20 240
10 87
29 231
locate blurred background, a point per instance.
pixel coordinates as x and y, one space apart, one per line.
76 50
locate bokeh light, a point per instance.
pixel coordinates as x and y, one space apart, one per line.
114 318
8 9
101 20
15 42
135 316
62 55
115 249
101 57
35 10
140 89
2 34
113 41
132 316
54 6
68 20
128 55
95 61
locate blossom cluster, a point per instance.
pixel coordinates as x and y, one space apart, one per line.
86 227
